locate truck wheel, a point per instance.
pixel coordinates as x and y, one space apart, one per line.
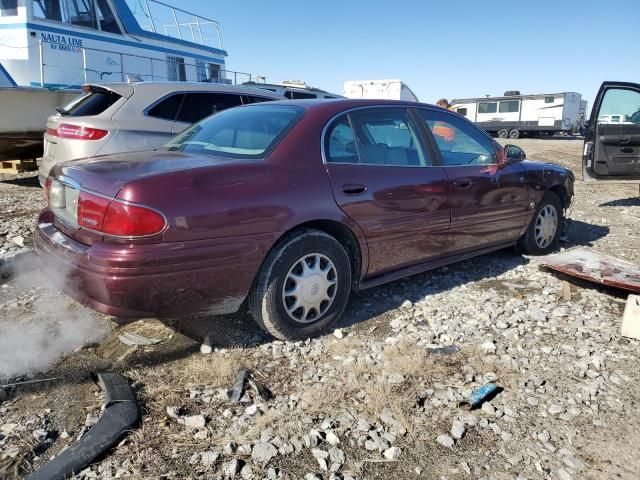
543 233
303 286
503 133
515 133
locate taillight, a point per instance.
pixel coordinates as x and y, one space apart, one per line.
79 132
113 217
52 131
91 210
126 220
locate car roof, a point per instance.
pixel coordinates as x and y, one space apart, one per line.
160 87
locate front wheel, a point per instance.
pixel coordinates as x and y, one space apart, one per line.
302 287
543 233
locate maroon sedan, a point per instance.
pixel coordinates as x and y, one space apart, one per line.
289 206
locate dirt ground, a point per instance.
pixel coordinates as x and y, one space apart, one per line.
567 409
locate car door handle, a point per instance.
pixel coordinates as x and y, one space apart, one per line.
462 183
354 189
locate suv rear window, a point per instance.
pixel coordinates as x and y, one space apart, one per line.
244 133
93 103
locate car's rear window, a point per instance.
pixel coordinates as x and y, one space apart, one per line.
93 103
243 132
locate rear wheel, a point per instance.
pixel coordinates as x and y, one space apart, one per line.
302 287
543 233
515 133
503 133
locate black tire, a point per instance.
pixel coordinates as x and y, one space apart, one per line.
515 133
528 242
503 133
267 302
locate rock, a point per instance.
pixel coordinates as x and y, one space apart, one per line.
91 420
331 438
337 455
555 409
573 463
207 345
458 430
247 472
392 453
209 458
201 435
339 333
312 476
488 408
488 347
445 441
263 452
194 421
173 412
232 468
19 241
406 304
395 379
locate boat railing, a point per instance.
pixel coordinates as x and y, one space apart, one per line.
158 17
148 68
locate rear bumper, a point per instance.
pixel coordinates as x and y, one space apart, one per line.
158 280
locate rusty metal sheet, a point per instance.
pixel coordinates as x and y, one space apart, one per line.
596 267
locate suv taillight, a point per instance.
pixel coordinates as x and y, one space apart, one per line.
79 132
117 218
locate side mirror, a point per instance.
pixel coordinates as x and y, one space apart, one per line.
513 153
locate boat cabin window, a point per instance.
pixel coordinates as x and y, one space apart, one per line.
487 107
549 99
208 72
176 69
94 14
8 8
509 106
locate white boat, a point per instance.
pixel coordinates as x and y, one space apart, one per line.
50 48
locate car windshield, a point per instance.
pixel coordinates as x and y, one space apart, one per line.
244 132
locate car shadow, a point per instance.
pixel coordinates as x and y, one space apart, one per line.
623 202
583 234
23 182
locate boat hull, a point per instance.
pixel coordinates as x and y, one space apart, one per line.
23 119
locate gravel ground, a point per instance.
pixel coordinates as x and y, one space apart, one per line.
371 400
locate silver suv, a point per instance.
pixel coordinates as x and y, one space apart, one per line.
123 117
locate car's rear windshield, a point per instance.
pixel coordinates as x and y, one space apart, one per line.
93 103
243 132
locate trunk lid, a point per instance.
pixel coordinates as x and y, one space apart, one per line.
107 174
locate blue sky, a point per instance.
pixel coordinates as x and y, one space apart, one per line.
449 48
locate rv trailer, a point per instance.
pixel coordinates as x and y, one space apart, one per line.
514 115
379 89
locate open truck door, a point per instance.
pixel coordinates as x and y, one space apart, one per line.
612 150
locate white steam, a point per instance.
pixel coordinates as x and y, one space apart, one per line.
38 323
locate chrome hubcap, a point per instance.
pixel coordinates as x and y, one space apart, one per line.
546 226
309 288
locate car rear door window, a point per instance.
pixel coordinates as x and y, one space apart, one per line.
389 137
199 105
459 142
340 142
167 108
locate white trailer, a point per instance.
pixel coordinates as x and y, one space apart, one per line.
379 89
513 115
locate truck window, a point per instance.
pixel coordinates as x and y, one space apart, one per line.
487 107
462 111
